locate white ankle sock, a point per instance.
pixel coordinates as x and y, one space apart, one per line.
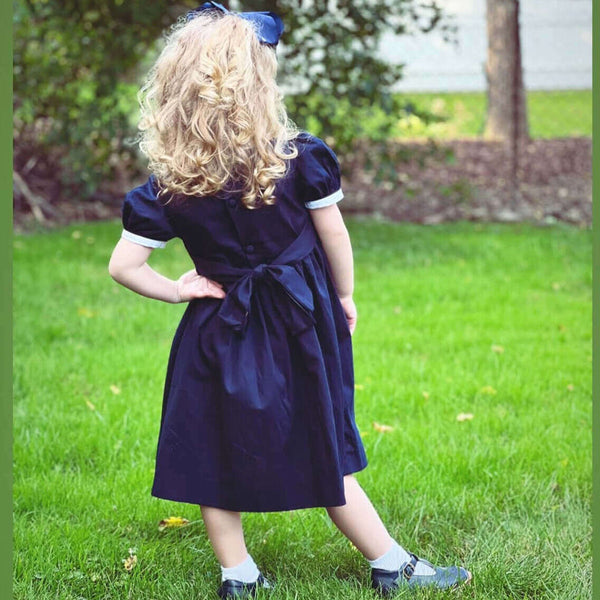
395 557
246 571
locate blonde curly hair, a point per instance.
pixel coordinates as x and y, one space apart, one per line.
212 113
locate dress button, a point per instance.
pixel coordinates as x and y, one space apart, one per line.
249 248
231 202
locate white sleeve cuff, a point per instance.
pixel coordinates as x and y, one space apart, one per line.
143 241
331 199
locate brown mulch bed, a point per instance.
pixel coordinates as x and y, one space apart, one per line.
554 184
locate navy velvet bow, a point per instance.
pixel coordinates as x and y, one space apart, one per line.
270 26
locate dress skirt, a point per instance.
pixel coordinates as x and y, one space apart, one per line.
258 403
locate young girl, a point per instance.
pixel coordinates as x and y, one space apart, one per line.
258 406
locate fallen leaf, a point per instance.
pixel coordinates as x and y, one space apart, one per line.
426 395
497 349
570 387
172 522
556 286
464 417
86 312
115 390
488 389
397 309
92 407
76 234
382 428
130 561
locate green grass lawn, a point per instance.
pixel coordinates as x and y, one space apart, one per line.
492 321
557 113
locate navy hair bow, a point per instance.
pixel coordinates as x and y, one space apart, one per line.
270 26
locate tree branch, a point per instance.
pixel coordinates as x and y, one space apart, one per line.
36 202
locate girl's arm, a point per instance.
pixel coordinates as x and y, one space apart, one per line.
128 267
329 225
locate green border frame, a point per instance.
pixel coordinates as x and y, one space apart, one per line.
595 293
6 56
6 220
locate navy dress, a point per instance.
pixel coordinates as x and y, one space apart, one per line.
258 404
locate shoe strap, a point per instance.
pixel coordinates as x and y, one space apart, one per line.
408 569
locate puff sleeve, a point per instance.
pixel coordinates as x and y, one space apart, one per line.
143 216
320 174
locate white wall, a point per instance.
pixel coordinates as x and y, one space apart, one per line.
556 40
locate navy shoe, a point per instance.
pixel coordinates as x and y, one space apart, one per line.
388 582
232 588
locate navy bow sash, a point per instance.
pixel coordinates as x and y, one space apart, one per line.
280 275
244 355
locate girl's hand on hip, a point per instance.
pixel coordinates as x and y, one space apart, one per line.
350 312
191 285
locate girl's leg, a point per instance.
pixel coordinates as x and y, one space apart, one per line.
359 522
226 535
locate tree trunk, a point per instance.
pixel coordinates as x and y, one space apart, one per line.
507 108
